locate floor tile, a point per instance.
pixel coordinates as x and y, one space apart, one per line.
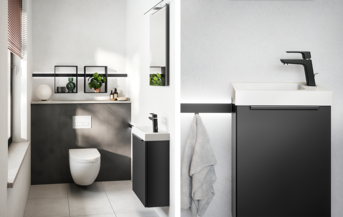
138 214
117 184
89 206
95 190
48 191
118 189
129 204
47 207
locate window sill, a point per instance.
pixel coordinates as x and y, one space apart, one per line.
16 155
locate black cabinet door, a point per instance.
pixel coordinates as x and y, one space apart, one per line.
139 169
158 173
283 162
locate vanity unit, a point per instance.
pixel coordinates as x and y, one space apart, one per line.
150 165
281 150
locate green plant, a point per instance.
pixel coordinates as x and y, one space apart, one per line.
156 79
96 80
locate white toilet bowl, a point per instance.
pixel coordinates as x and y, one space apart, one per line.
84 165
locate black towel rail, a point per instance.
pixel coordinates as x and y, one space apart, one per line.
207 107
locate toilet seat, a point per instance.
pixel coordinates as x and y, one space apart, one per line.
85 155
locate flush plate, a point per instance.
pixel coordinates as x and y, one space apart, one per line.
82 122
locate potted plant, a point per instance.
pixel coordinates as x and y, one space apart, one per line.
96 82
156 80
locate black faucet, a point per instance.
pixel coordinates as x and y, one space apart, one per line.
154 122
306 62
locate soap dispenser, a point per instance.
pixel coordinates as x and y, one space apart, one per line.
112 95
115 94
154 122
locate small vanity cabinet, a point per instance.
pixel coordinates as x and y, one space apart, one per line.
150 159
281 161
281 150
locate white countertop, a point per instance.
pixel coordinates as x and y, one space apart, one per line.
291 93
79 102
16 154
146 133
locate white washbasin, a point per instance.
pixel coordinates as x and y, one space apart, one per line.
146 133
293 93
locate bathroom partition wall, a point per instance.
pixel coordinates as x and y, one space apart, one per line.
53 136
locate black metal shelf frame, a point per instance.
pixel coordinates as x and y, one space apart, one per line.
46 75
76 75
207 107
85 77
67 75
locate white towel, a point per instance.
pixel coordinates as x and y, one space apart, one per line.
197 170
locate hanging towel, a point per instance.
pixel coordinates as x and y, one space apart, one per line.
197 170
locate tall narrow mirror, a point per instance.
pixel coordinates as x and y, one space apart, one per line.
159 46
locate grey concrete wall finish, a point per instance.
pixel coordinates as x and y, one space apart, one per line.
53 136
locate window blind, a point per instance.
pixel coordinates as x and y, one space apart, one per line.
14 27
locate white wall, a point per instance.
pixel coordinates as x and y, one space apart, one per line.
3 108
82 33
147 99
17 196
243 41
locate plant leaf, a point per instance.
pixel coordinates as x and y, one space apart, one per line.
90 86
104 78
95 75
155 78
99 78
158 75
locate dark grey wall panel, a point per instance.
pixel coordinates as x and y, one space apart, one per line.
53 136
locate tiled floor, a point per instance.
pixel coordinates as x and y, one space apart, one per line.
101 199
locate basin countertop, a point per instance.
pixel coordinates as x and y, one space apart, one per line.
146 133
292 93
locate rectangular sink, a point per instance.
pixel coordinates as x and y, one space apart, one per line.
293 93
146 133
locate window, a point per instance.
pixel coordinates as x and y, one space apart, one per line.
15 27
15 38
10 101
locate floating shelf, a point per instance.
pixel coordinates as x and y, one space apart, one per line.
85 78
76 75
46 75
66 75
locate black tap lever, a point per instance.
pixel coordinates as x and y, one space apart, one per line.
154 122
306 62
306 54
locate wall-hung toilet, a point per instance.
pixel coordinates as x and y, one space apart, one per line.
84 165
